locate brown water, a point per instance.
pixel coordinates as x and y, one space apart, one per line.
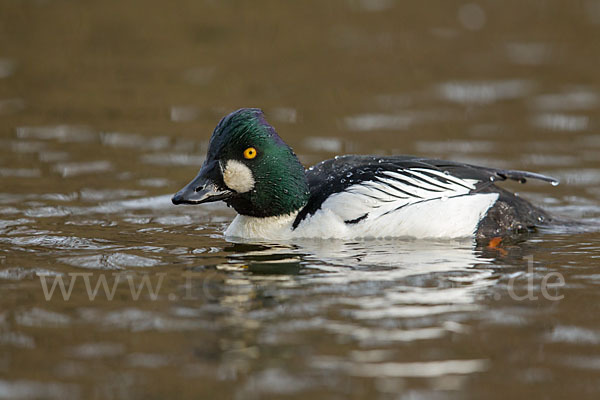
106 109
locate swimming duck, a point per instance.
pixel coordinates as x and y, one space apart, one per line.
249 167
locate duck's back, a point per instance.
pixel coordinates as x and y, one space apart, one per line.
371 196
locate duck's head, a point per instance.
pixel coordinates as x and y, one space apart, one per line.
250 168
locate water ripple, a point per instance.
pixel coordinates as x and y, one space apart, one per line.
11 106
139 320
62 133
485 92
184 113
428 369
82 168
114 261
173 159
55 242
136 141
37 317
561 122
528 53
27 389
371 122
7 67
17 340
20 273
573 334
20 172
96 350
578 99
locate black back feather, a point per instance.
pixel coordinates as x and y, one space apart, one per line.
335 175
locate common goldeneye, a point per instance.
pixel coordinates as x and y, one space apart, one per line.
253 170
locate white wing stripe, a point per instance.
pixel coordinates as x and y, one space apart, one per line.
419 183
378 191
466 182
435 182
427 182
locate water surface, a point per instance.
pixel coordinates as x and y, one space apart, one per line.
107 108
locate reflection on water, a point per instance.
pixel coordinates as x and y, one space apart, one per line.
483 92
107 111
561 122
7 67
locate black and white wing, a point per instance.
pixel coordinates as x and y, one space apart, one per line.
361 188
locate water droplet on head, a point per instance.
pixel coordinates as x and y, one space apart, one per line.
555 183
447 172
492 178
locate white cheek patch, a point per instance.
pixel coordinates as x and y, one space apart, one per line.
238 177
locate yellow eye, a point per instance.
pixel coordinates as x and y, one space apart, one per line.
249 153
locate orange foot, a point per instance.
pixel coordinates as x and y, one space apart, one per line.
494 244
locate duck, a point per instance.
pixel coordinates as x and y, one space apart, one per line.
250 168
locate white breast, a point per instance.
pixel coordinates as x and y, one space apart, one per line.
275 228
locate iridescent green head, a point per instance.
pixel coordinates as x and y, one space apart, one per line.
250 168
